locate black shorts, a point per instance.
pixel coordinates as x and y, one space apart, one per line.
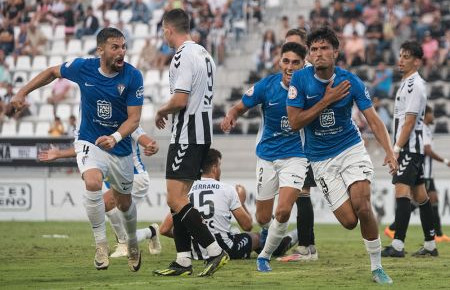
242 246
429 185
410 169
309 180
184 161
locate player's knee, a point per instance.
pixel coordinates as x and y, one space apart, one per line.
93 184
350 223
263 219
282 214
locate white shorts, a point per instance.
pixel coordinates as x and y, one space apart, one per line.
271 175
118 170
334 175
141 185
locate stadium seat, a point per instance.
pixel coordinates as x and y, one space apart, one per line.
25 129
9 60
59 32
63 111
74 47
20 78
152 77
58 48
253 128
23 63
76 111
165 77
237 130
126 15
39 63
45 93
441 127
55 60
138 44
42 129
140 30
35 97
46 112
9 129
157 16
47 30
252 113
218 112
437 91
148 111
112 15
216 129
88 45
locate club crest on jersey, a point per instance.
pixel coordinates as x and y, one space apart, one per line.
104 109
366 92
250 91
292 94
327 118
120 88
140 92
285 124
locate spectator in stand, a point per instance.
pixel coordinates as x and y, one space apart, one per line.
140 12
6 37
283 26
319 15
374 40
68 18
163 56
430 47
302 24
36 41
5 75
72 126
354 50
217 40
403 31
371 12
20 42
352 10
265 54
56 128
353 26
90 24
147 56
382 82
444 52
13 11
2 110
61 90
337 10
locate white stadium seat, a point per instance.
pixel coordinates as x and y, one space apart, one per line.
59 32
42 129
76 111
64 111
88 45
39 63
140 30
25 129
55 60
58 47
152 77
23 63
112 15
125 16
47 30
74 47
35 97
9 129
148 111
138 44
20 74
9 60
46 112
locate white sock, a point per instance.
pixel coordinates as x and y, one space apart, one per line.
129 221
398 244
374 250
214 249
115 219
429 245
277 231
184 259
143 234
95 209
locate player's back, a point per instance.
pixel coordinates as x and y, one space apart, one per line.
192 71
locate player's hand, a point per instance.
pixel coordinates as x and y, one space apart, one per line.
106 142
227 124
18 102
160 120
337 93
151 148
242 193
48 155
391 161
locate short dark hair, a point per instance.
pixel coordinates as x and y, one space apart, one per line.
212 158
295 31
106 33
428 109
323 33
413 47
296 48
179 19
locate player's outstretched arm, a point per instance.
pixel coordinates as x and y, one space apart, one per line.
42 79
382 135
55 153
177 102
243 218
229 121
299 118
429 151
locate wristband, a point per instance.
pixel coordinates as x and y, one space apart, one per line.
445 161
397 149
116 135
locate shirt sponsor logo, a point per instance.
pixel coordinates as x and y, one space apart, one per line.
327 118
104 109
140 92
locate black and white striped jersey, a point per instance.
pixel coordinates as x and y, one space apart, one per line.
411 98
428 162
215 201
192 71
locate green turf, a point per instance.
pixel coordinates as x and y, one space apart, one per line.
29 261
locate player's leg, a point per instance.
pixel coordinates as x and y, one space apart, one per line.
243 244
92 167
426 217
115 219
121 175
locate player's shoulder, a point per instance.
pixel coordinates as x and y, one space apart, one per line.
83 61
273 78
306 71
129 69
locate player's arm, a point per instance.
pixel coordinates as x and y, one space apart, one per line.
429 151
166 227
408 126
243 218
42 79
55 153
242 193
150 146
381 134
177 102
299 117
229 121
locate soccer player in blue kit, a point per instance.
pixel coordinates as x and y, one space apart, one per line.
281 164
111 102
320 99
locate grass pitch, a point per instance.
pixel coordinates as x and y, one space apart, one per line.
32 258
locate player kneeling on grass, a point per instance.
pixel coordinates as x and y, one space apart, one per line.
217 202
140 189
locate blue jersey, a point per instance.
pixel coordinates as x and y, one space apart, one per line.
104 99
333 130
277 140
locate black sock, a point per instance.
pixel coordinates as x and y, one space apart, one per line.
402 215
152 230
192 220
392 226
436 219
426 217
180 234
305 221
